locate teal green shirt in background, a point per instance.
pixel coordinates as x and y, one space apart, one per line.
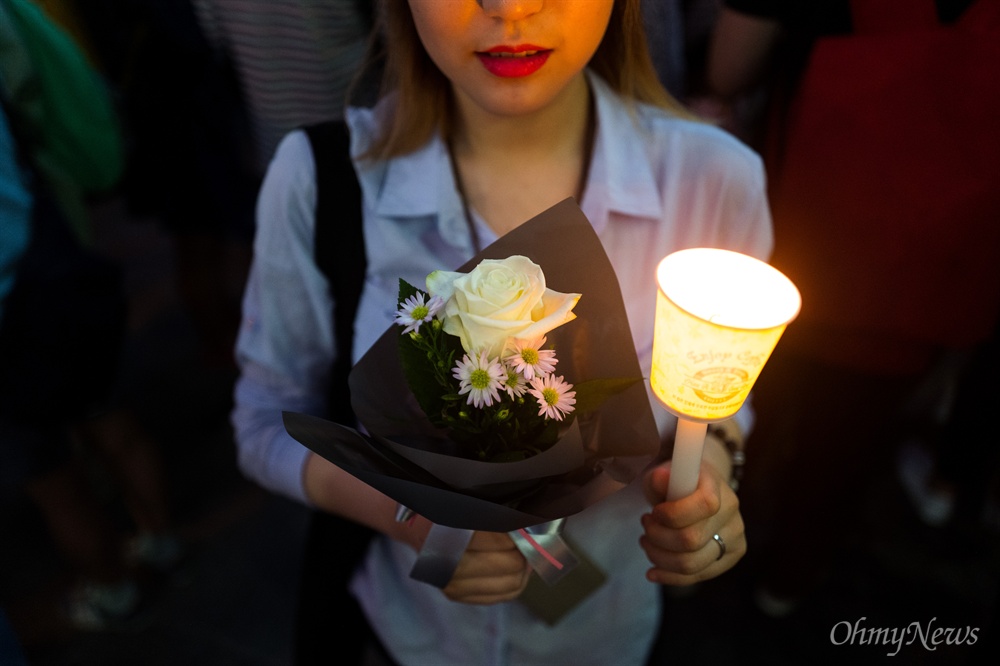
15 211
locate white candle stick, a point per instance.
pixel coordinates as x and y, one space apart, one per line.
685 464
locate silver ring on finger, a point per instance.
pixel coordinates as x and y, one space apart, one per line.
722 546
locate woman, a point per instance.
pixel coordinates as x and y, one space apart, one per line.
493 111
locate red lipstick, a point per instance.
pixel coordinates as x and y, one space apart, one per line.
513 61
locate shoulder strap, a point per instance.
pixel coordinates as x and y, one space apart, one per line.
339 247
327 613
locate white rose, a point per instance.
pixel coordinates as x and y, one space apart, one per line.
499 299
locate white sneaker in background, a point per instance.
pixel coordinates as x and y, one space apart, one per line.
160 552
97 606
933 503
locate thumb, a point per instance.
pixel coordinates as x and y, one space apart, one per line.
656 482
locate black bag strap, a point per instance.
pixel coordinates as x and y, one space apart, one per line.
339 248
329 620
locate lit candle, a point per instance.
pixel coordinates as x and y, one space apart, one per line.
719 315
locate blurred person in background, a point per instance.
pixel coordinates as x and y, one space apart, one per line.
189 153
64 322
295 59
881 154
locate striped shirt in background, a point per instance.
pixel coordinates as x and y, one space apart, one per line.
295 60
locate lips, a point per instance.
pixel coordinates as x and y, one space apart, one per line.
514 61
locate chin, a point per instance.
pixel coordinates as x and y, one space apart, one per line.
514 103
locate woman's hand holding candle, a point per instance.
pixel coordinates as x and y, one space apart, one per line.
680 535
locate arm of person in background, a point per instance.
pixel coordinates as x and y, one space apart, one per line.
739 55
740 52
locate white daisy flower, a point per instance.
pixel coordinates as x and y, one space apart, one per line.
414 312
515 385
555 399
480 377
528 358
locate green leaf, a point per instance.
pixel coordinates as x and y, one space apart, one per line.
419 373
547 436
591 394
405 291
426 360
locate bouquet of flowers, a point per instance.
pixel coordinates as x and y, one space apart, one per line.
464 417
473 352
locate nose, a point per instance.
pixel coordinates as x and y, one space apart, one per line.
511 10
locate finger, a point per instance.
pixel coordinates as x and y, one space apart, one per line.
485 590
481 584
686 569
491 541
655 483
691 538
476 564
680 563
688 539
674 579
700 505
500 594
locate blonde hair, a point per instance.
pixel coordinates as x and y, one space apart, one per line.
420 95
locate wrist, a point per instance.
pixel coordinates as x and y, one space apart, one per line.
732 455
333 490
410 528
